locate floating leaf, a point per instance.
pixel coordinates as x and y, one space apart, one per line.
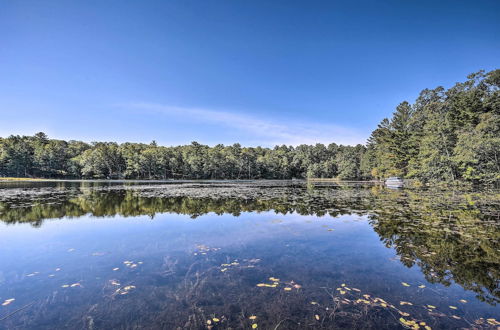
8 301
403 313
65 286
421 286
431 306
254 326
316 317
463 301
287 289
115 269
492 321
252 317
452 307
313 303
215 319
405 284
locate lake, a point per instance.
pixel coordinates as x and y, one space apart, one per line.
247 255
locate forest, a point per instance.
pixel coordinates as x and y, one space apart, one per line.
450 135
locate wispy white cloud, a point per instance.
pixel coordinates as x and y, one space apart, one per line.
264 131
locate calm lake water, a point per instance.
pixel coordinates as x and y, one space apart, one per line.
243 255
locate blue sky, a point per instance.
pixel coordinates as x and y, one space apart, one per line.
254 72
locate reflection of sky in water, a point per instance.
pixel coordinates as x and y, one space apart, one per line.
292 247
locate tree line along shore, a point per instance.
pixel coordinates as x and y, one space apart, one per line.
446 135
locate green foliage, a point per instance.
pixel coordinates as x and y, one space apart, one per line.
446 135
39 156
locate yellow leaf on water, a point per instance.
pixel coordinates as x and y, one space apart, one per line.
65 286
456 317
405 284
463 301
254 326
431 306
313 303
8 301
428 327
209 322
342 292
261 284
452 307
215 319
75 284
287 289
421 286
316 317
223 270
492 321
253 317
403 313
343 284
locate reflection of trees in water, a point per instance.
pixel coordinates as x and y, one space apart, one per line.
451 236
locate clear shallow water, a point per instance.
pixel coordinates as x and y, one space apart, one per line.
166 256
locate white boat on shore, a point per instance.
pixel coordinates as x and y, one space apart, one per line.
394 182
